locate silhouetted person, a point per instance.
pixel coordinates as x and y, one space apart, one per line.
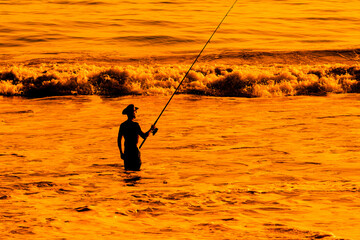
131 131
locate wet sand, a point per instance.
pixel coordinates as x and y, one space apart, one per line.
219 168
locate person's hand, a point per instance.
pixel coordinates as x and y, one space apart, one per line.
152 128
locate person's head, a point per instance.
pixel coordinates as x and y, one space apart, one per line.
130 111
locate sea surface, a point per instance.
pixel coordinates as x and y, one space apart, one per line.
261 140
218 168
147 28
116 48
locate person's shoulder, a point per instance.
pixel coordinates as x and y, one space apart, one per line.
129 123
124 124
135 124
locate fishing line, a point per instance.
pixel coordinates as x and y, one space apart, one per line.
191 67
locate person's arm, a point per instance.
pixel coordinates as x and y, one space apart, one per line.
146 134
120 136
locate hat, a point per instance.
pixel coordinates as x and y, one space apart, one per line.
130 108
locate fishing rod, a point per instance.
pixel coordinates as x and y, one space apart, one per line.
189 70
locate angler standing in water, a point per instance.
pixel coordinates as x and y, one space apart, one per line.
131 131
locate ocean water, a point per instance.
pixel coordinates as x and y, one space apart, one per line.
219 167
115 48
261 141
146 28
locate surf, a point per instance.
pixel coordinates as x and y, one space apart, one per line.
209 79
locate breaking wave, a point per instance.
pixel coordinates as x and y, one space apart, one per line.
213 80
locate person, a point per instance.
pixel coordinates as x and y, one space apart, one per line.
130 131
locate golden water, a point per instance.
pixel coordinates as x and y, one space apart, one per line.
278 166
223 168
149 28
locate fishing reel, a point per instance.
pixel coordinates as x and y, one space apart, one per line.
155 131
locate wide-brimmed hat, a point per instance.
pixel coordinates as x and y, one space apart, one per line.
129 109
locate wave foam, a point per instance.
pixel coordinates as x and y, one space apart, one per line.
213 80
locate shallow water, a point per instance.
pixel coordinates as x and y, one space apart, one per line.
224 168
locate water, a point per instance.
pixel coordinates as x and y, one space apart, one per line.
112 48
134 29
260 143
229 168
